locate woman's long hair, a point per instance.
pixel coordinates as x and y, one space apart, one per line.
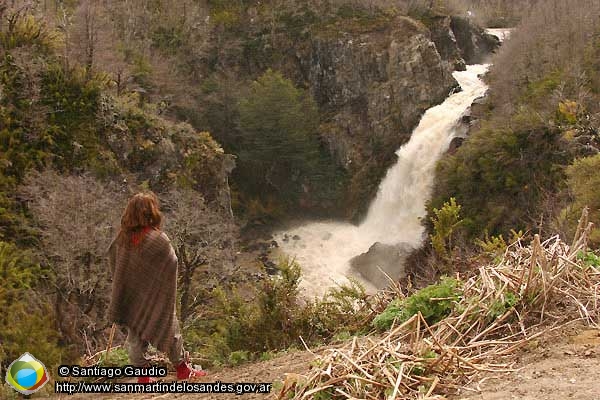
141 214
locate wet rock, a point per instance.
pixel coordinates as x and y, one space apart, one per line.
455 144
473 43
389 258
461 42
460 65
270 267
445 41
479 108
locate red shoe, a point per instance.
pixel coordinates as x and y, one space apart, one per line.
146 379
185 370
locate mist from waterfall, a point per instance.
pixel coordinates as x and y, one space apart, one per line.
324 249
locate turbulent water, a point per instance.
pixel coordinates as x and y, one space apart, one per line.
500 33
324 249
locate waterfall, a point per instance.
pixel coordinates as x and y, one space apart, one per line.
324 249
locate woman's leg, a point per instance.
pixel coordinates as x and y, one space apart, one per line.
180 358
176 352
136 348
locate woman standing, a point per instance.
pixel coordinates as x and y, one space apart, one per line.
144 288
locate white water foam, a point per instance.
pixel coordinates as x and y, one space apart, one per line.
324 249
501 33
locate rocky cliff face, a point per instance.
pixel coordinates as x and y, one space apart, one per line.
474 44
372 88
444 38
461 42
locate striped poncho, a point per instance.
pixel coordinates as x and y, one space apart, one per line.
144 289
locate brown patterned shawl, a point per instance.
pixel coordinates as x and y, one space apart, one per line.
144 289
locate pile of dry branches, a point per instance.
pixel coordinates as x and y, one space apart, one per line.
530 291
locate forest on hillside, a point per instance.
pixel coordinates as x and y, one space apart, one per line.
207 104
528 162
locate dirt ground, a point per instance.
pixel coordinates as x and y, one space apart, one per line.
271 371
562 366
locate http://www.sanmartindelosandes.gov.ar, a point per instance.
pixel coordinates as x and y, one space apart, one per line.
27 374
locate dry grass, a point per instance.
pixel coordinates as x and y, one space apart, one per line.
531 290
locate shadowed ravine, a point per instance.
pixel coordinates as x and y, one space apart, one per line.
324 249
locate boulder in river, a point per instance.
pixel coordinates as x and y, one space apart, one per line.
388 258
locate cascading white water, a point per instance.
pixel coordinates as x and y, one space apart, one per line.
324 249
501 33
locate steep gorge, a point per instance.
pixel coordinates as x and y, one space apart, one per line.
372 76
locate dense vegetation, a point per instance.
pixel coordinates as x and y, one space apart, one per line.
66 167
198 61
280 159
536 140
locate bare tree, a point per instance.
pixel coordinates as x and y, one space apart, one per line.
203 238
554 37
76 217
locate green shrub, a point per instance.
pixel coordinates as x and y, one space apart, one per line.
239 357
496 245
589 258
536 93
445 221
26 324
236 329
20 149
341 312
118 357
25 30
393 312
501 176
168 38
434 302
500 306
72 99
583 178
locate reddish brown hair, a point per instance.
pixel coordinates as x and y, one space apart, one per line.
142 212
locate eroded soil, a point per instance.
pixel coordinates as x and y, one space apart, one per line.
563 366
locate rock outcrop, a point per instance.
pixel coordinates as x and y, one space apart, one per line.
161 153
372 87
381 260
473 43
446 44
460 42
